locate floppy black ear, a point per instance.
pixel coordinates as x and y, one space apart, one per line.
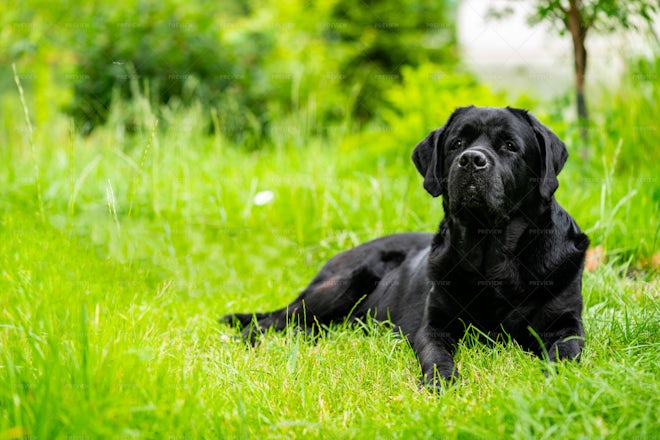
428 160
553 156
429 153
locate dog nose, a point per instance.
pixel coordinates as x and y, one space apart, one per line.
473 158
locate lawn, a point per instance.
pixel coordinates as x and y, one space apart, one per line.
119 251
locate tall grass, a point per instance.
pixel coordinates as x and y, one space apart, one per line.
28 126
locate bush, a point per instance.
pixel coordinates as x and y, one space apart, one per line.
430 93
171 53
269 63
261 69
382 41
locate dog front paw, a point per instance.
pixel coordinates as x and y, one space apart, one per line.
439 382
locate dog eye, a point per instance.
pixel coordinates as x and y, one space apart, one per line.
510 146
458 143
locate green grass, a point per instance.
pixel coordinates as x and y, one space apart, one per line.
109 304
94 348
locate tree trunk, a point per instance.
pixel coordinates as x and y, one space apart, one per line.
578 30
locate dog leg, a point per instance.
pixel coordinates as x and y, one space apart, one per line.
435 351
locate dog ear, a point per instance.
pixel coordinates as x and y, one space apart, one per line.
428 160
553 156
428 156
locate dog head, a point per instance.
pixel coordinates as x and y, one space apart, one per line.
489 162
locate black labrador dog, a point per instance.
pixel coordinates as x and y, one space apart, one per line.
506 260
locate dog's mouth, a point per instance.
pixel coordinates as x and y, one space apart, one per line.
468 193
476 196
472 192
472 195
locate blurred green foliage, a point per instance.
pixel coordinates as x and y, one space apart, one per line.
167 58
247 63
438 91
632 115
384 41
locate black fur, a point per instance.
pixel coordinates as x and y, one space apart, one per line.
506 260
